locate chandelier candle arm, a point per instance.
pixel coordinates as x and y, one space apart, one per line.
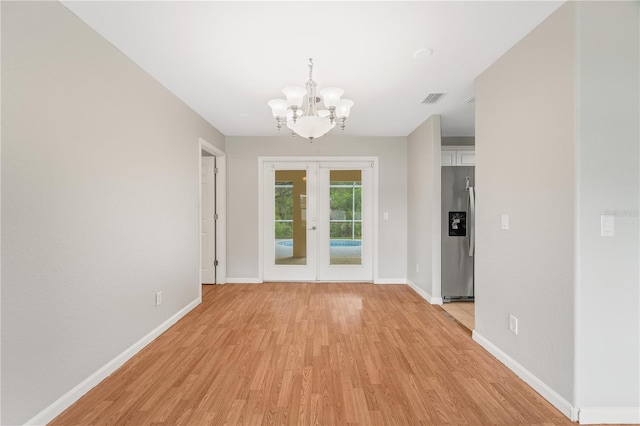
300 114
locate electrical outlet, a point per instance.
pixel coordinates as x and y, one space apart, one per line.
417 268
513 324
158 298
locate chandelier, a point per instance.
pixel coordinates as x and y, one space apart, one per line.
300 114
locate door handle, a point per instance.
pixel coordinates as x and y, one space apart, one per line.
313 228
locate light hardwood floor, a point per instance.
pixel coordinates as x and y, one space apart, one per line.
463 312
303 354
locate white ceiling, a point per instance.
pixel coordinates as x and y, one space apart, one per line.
227 59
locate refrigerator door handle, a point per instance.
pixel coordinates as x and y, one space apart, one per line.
471 207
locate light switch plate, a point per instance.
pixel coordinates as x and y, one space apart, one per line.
385 215
607 225
513 324
505 221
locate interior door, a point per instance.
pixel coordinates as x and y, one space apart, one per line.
208 228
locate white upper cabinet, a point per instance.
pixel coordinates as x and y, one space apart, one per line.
466 158
458 156
448 158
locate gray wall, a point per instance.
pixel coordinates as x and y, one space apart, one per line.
242 194
525 149
99 204
570 91
423 219
608 299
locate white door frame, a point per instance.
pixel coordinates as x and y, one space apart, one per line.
221 209
261 224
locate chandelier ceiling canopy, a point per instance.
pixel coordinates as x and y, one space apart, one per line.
299 112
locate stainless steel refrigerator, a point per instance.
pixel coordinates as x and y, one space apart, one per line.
458 236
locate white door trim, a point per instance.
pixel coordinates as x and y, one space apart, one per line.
262 160
221 209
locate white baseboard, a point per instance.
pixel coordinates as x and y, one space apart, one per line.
609 415
243 280
426 296
390 281
538 385
231 280
66 400
259 281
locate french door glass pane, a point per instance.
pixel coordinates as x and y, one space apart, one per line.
290 217
345 222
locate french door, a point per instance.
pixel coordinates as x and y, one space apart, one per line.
318 221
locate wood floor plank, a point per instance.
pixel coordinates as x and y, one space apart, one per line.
312 354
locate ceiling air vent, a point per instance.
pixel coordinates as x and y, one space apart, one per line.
470 100
433 98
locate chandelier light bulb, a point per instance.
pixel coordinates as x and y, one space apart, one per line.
344 108
278 107
331 96
295 95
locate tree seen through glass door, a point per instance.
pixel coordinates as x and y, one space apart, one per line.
345 224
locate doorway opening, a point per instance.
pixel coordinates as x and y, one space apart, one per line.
212 214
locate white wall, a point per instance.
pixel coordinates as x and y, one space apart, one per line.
423 217
99 204
608 283
242 194
525 168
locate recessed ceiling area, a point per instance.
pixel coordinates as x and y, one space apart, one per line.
226 60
